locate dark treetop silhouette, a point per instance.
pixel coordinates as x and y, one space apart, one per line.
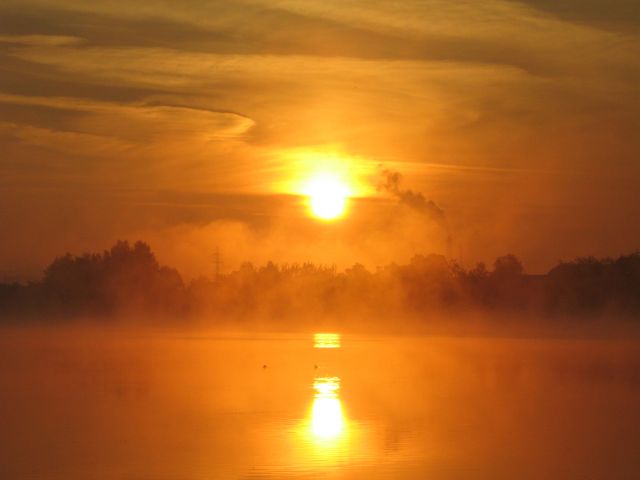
128 279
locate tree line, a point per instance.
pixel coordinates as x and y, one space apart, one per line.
127 279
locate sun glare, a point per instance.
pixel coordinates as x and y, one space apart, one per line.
327 196
327 420
326 340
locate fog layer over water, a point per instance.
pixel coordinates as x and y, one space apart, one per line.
105 404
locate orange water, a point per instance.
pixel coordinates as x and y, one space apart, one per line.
96 405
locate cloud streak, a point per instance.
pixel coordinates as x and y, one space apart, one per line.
523 104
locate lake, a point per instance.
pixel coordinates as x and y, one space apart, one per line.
108 404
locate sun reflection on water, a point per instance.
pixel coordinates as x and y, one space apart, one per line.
327 419
326 340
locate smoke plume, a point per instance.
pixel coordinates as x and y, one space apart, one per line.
416 201
390 183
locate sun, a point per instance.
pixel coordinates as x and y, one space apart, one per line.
327 196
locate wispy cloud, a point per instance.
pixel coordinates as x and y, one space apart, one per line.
40 40
495 107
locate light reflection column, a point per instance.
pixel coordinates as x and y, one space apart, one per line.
327 420
327 417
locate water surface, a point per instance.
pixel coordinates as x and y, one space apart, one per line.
122 405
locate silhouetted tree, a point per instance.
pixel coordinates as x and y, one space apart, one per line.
128 278
507 266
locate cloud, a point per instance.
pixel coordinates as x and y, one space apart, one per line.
135 123
207 97
40 40
130 145
621 15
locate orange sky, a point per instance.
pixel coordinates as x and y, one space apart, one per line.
191 124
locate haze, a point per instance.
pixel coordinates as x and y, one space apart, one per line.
194 127
332 239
